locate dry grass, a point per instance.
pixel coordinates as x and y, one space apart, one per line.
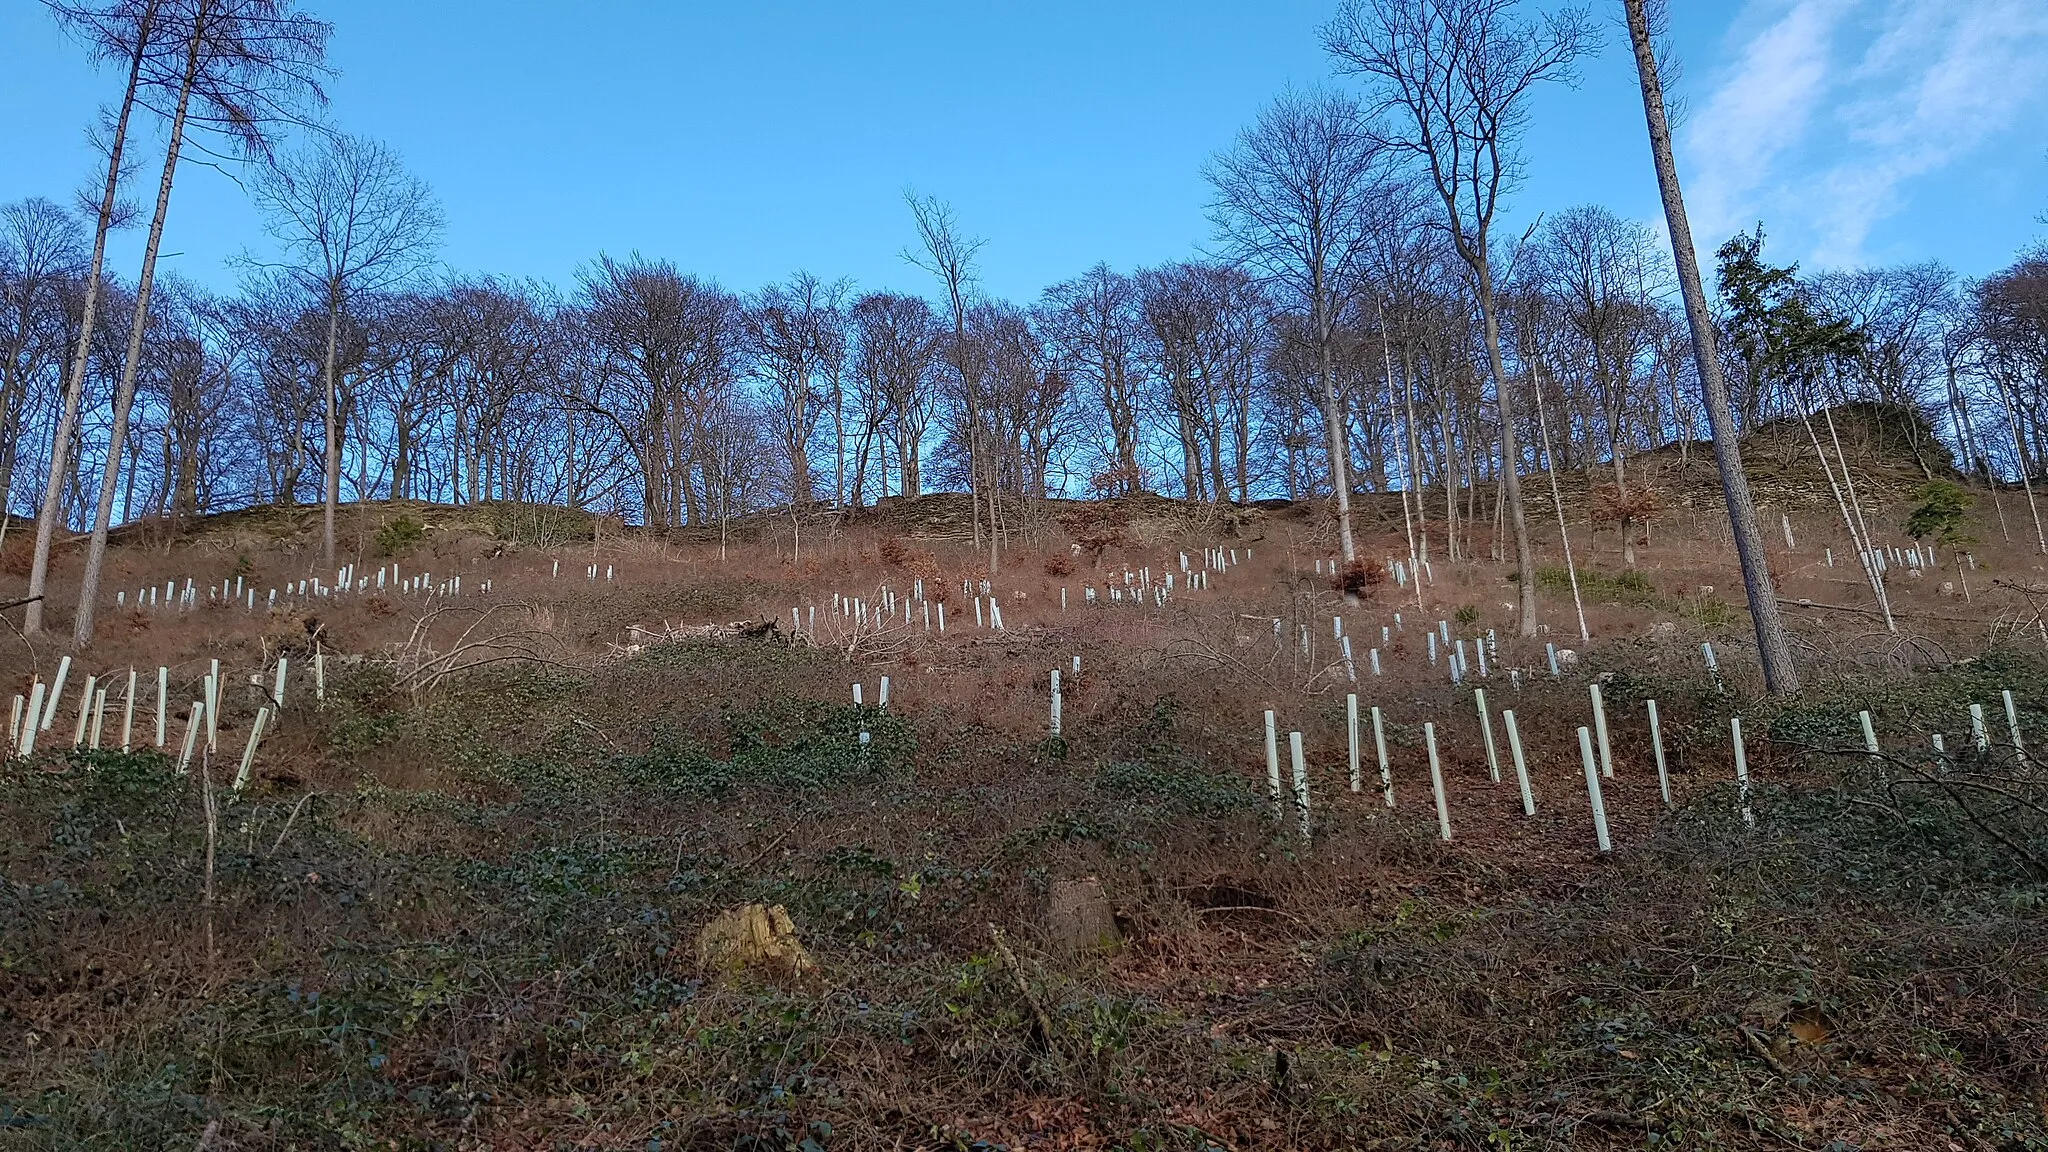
458 908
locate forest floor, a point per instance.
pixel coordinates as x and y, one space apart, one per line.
462 902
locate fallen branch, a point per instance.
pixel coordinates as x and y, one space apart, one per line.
279 843
1038 1013
1213 655
1762 1050
421 667
1251 908
1784 603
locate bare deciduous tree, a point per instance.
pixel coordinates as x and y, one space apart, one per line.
671 345
1093 320
1177 322
897 352
1603 275
798 338
1454 77
947 253
1291 201
354 223
41 253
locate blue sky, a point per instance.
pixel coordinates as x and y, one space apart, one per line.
746 141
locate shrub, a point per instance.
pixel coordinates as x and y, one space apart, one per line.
1059 564
1182 788
362 710
918 562
1708 613
1627 587
538 525
925 567
399 536
1941 513
1118 480
1096 527
787 744
1360 577
1610 505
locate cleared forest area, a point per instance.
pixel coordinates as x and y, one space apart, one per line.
710 842
1399 666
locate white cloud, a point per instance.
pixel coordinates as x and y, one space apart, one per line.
1831 110
1760 109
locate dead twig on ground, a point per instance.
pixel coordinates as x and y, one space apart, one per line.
1762 1050
288 821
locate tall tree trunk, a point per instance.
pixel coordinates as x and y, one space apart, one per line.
1774 648
1126 451
1407 480
1855 503
401 457
128 487
1615 457
1414 477
1241 451
185 501
455 468
1966 436
330 488
160 507
909 482
1472 491
839 443
864 448
1451 480
1510 449
800 491
124 392
74 383
993 485
1564 533
1340 452
974 453
2026 473
572 488
74 489
1992 481
1219 487
1866 549
12 401
650 481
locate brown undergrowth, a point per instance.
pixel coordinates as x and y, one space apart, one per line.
459 911
467 922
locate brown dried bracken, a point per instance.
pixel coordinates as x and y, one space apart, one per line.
1359 578
1611 505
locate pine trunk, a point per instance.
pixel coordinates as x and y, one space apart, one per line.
1774 648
